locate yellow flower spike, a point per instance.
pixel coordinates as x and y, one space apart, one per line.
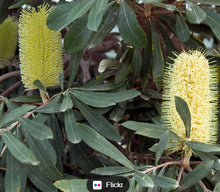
8 40
40 48
193 79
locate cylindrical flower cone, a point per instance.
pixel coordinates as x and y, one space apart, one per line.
192 78
40 48
8 40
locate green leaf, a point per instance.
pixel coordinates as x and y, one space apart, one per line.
41 182
12 176
103 87
61 80
143 179
4 4
194 13
131 185
57 141
77 36
196 174
18 4
210 2
71 127
105 63
149 1
52 107
99 143
102 125
46 154
164 182
67 102
96 14
182 29
72 185
205 156
149 129
124 70
184 112
18 149
118 112
58 18
36 129
85 162
39 85
158 59
110 19
170 46
73 66
217 187
80 9
162 145
213 21
27 99
146 62
136 64
114 170
101 99
198 146
14 114
129 28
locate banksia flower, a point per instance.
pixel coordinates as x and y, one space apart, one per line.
8 40
40 48
193 79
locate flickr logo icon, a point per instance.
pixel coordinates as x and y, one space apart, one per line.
97 185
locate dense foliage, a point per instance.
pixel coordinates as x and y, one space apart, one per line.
104 117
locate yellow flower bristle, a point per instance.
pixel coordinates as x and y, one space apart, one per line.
8 40
193 79
40 48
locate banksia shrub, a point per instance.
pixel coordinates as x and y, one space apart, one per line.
193 79
8 40
40 48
